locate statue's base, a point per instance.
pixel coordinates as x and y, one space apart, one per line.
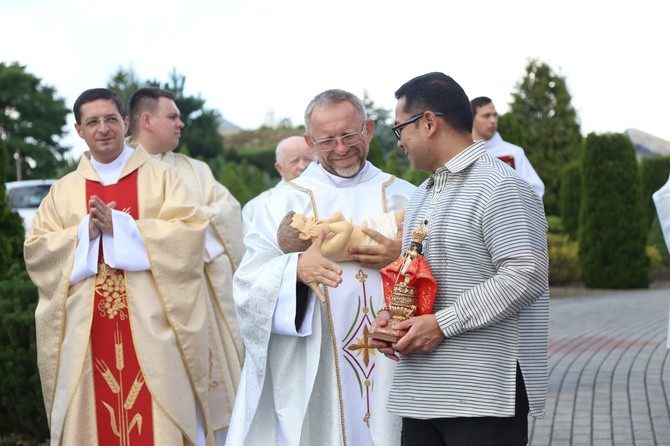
388 333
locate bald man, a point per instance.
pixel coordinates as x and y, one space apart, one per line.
292 155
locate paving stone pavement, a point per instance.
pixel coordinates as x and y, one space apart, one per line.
609 371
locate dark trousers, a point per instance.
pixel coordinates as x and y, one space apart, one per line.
472 431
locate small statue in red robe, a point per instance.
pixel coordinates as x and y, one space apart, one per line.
409 287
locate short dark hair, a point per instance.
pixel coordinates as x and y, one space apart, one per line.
288 237
438 92
479 102
94 94
145 100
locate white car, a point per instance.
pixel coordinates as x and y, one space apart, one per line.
25 197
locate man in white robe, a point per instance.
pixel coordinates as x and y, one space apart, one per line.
310 375
155 125
116 254
485 127
292 156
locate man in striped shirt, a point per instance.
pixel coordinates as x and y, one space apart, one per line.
469 373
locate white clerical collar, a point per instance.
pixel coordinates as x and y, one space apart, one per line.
109 173
348 182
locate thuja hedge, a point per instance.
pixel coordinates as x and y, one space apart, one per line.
570 199
612 229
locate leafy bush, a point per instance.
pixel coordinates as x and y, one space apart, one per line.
22 411
555 224
563 259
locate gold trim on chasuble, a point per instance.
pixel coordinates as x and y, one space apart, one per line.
357 348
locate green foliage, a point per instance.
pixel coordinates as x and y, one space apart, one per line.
32 120
257 147
244 181
124 83
563 259
655 257
201 132
570 197
11 224
398 166
656 240
383 133
200 135
555 224
612 230
21 404
376 154
22 414
563 254
654 173
414 176
545 124
511 126
384 152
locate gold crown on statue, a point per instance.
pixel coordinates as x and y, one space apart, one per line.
419 234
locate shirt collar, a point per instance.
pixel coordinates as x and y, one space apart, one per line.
458 163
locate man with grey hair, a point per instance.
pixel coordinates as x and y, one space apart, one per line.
292 156
310 375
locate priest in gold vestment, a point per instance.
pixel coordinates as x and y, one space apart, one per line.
155 126
116 253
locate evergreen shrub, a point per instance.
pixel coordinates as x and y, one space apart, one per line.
571 186
22 411
612 228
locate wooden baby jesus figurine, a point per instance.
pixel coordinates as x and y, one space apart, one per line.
296 233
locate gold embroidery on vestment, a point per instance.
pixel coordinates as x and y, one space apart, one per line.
111 285
118 418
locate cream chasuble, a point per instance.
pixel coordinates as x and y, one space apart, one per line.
166 306
225 249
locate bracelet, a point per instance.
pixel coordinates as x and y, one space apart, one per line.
385 309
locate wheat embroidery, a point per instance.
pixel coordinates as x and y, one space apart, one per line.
119 417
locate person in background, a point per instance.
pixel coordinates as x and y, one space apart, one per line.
310 376
292 155
485 127
471 371
115 251
155 126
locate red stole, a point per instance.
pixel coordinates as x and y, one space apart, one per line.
122 399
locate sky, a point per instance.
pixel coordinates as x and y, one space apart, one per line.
256 59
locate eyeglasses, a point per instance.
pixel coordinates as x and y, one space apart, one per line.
397 129
350 139
109 120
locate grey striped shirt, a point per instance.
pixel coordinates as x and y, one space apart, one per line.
487 248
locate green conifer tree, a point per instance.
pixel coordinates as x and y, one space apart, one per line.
612 229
